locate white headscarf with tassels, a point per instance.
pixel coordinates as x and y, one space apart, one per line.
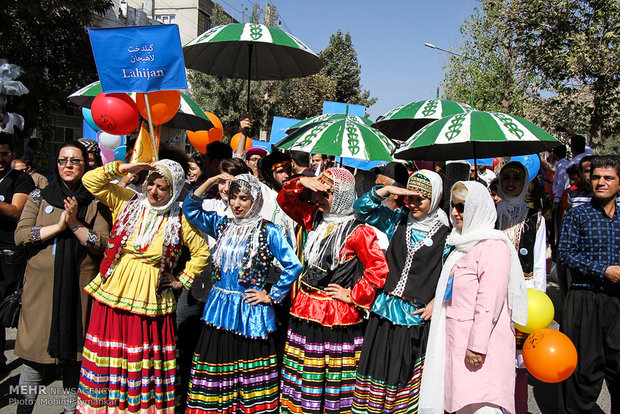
479 219
232 244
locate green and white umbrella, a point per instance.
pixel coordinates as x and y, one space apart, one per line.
345 136
476 134
321 118
401 122
250 51
190 115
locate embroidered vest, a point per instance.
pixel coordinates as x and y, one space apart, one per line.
118 239
254 269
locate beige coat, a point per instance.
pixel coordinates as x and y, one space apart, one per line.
35 319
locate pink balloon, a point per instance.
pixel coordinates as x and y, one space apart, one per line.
107 155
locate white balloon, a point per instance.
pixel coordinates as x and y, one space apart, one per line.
109 141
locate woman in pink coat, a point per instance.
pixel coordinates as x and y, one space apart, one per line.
469 364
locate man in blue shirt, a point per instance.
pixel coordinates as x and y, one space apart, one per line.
590 247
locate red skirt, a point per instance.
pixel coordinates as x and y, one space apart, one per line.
128 363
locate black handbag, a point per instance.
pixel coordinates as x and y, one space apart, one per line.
10 308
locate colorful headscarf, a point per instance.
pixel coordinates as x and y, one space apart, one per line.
430 185
332 228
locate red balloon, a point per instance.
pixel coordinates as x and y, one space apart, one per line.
164 105
495 162
549 355
115 113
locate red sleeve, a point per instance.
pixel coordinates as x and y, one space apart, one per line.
288 199
363 243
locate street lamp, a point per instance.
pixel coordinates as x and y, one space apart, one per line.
432 46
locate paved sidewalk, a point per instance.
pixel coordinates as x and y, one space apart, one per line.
542 396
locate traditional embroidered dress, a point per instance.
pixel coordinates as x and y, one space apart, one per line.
325 335
129 360
235 367
390 368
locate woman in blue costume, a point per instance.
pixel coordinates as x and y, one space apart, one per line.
390 367
235 366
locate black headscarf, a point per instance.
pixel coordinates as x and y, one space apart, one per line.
66 329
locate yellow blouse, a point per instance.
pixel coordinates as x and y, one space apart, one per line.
133 282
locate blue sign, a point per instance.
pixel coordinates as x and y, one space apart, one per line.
279 127
139 58
343 108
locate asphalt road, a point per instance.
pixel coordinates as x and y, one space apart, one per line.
542 396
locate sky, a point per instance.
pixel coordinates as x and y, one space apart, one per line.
388 36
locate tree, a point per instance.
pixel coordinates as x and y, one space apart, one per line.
49 41
303 98
490 71
573 46
565 48
342 66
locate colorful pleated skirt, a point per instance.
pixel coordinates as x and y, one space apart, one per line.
233 374
128 363
390 368
319 366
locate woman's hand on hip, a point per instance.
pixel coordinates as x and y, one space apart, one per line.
337 292
254 297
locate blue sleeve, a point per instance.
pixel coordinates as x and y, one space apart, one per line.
369 209
206 221
283 252
568 247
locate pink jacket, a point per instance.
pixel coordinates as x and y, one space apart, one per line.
478 319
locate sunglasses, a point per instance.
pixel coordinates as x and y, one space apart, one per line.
72 161
460 207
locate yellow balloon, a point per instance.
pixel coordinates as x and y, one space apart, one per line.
540 311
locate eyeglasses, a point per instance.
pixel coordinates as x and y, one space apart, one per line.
460 207
73 161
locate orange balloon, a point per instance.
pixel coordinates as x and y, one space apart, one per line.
164 105
199 140
549 355
234 141
217 132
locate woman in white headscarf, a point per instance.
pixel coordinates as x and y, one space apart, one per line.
235 366
388 374
129 357
525 228
469 364
344 266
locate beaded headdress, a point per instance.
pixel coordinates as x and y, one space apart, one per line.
420 184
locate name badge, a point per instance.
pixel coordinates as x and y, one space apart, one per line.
449 286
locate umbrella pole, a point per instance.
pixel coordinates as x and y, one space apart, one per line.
151 129
475 162
250 50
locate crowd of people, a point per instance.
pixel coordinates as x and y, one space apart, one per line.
242 281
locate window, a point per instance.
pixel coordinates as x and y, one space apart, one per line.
166 18
208 24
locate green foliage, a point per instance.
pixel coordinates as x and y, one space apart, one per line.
47 38
490 72
567 48
342 66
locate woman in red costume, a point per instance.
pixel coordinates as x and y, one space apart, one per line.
343 268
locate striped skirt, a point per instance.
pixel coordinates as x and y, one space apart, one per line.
318 369
390 368
233 374
128 363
